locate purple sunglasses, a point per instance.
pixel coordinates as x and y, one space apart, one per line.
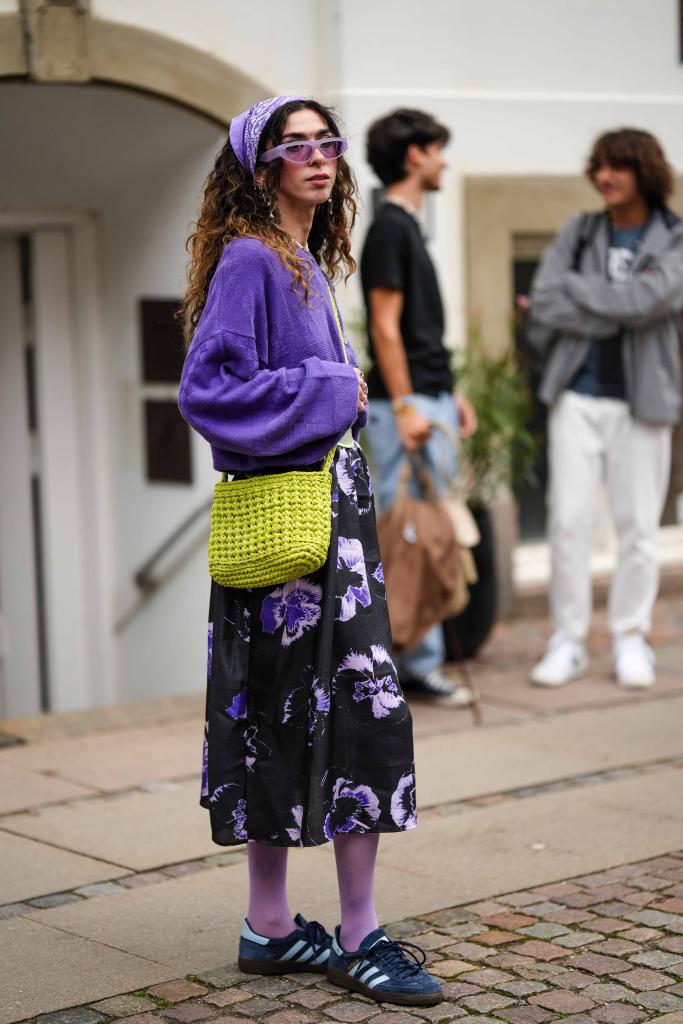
302 152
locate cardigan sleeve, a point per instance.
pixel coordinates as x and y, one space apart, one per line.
237 403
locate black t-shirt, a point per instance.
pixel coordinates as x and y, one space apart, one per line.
395 256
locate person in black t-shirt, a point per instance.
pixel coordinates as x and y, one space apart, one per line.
411 381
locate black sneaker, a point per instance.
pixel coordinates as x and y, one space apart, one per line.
385 970
436 684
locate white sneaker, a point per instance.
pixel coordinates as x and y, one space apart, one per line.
634 662
565 659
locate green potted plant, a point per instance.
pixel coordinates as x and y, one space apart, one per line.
501 453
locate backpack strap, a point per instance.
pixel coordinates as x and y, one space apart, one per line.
670 218
587 229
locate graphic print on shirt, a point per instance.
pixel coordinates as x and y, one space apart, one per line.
619 264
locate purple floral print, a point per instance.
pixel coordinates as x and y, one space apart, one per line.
294 832
295 605
205 762
349 469
241 624
250 747
345 476
318 702
210 651
254 747
378 574
403 808
238 708
353 809
374 679
239 819
351 564
236 819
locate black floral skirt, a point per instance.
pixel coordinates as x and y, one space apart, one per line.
308 734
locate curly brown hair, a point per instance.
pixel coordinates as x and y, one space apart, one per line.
641 152
236 206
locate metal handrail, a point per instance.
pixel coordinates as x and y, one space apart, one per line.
147 581
143 577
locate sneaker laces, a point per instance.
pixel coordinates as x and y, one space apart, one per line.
436 683
316 934
403 959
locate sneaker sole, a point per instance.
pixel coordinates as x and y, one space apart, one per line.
576 674
354 985
279 967
640 684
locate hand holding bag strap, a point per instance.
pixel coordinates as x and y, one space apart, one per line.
451 436
415 463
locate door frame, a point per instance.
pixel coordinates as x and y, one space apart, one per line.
93 680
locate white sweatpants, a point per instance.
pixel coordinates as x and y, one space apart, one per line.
591 441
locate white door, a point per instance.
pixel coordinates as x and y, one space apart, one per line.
48 500
23 676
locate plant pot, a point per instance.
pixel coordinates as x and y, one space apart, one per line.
465 633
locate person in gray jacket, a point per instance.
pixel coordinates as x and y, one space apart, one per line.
605 314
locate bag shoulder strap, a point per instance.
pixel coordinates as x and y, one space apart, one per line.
337 320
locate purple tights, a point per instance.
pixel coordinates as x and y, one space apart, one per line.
269 912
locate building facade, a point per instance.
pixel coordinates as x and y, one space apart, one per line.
111 113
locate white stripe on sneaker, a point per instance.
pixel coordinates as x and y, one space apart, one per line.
378 981
249 933
322 957
368 974
306 955
360 966
296 948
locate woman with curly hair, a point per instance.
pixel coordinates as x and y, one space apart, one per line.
606 308
308 735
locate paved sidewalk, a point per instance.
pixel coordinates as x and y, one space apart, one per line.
605 947
553 834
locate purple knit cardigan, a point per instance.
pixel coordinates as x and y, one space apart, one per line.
265 381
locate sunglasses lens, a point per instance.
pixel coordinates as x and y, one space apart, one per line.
331 148
297 152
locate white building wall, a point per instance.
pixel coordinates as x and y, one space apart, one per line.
524 87
138 163
272 42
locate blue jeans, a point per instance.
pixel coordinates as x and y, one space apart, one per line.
387 454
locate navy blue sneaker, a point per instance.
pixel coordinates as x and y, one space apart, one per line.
385 970
307 948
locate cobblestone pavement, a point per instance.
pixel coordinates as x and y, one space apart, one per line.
605 947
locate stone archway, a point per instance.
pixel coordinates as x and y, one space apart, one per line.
61 41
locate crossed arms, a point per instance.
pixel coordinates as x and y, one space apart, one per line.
588 305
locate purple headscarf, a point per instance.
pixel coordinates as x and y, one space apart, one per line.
246 128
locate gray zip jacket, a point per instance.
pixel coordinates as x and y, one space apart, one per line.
572 307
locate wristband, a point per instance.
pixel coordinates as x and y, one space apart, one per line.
401 405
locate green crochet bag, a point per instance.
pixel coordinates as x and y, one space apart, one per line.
272 528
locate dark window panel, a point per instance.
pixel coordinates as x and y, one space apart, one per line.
531 500
168 450
163 349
